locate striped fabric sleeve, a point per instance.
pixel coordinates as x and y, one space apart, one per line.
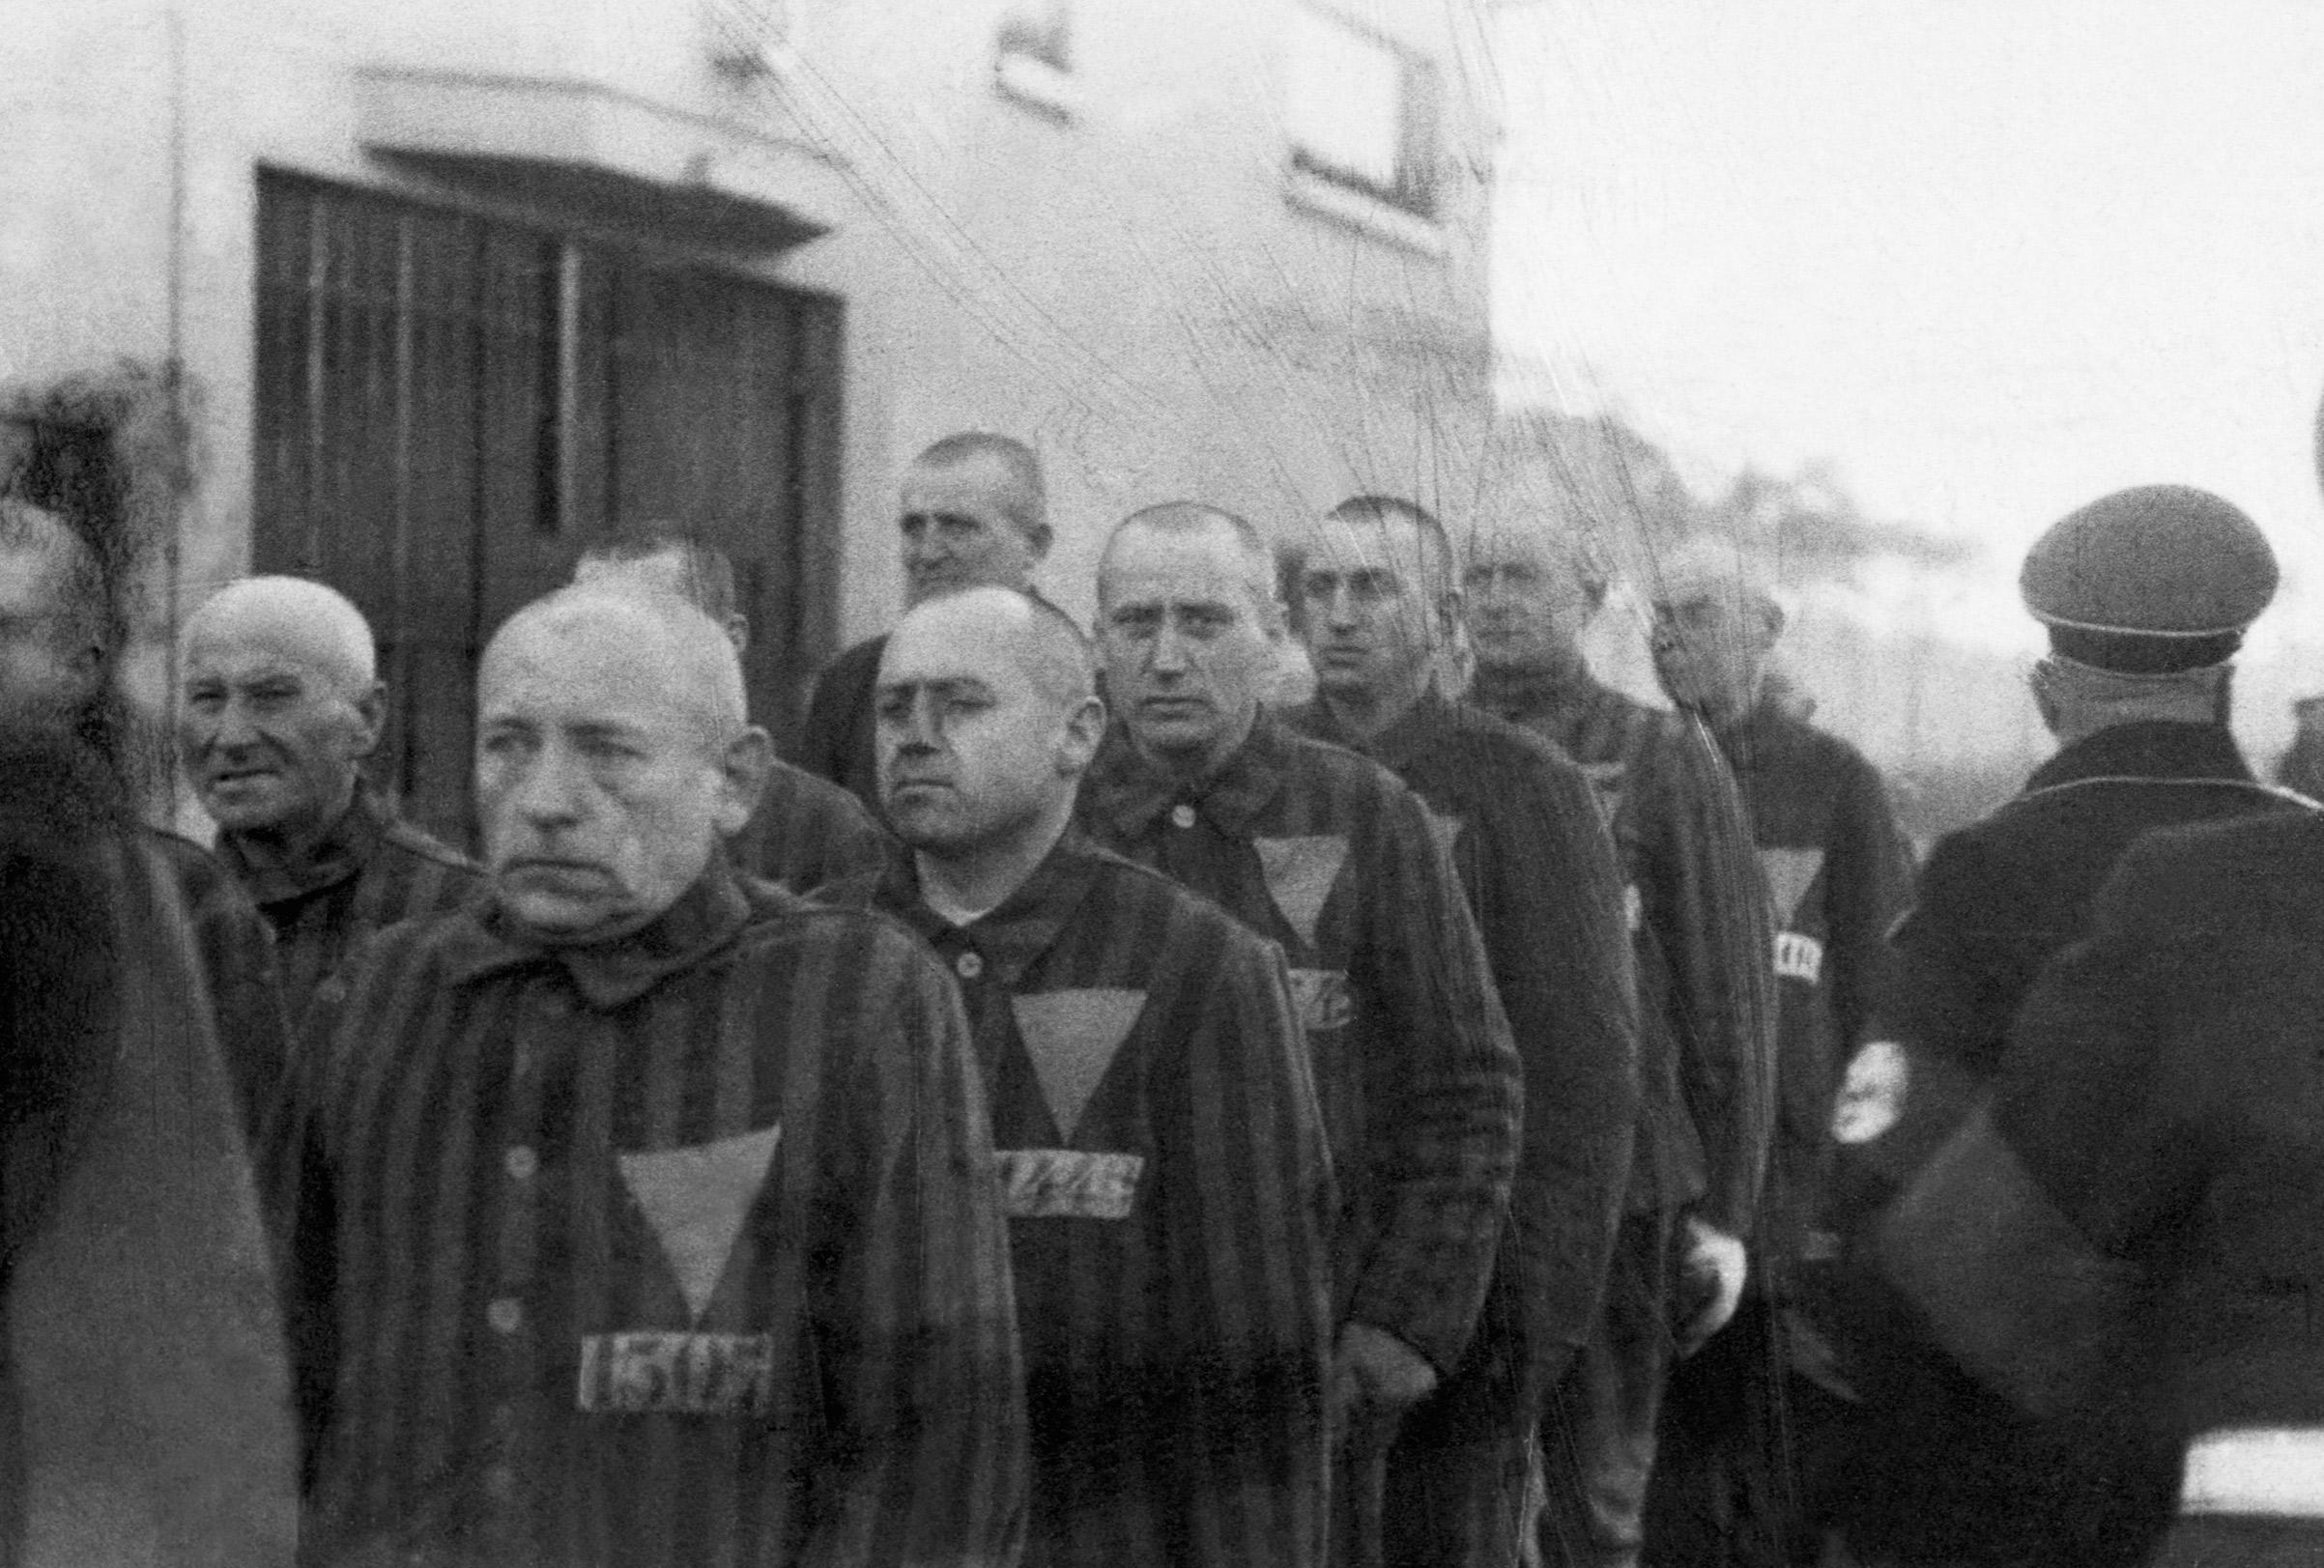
1561 958
1708 901
923 1369
1448 1097
295 1190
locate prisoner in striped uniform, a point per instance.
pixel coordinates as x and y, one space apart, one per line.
808 832
1705 1006
645 1215
280 702
1371 592
1330 855
1757 1430
1161 1150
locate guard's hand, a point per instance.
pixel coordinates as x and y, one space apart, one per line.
1711 1284
1373 1371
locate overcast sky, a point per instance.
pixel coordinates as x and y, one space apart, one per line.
1992 257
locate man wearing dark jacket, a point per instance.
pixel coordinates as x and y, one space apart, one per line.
1331 856
1160 1146
1371 595
2142 1201
1707 1015
972 511
2146 593
1748 1424
280 702
144 1388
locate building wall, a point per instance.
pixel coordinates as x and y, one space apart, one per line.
1127 286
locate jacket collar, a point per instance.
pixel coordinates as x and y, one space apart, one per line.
339 856
1128 795
2149 749
1560 699
1014 934
1392 748
486 943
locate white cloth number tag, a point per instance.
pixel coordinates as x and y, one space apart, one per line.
651 1372
1067 1183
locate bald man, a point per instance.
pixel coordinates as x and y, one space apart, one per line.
1332 856
1161 1149
280 705
645 1212
972 511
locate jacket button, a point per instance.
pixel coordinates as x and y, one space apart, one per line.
1182 815
969 965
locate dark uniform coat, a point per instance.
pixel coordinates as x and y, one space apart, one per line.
144 1387
1994 903
370 870
1706 1000
1332 857
842 719
2154 1150
1162 1164
1542 881
681 1248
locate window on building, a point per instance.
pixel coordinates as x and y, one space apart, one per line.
1033 56
1362 111
449 409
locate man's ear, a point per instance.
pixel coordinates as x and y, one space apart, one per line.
371 718
738 632
1084 730
744 768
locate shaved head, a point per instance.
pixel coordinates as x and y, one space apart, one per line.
660 642
1039 638
1186 518
278 705
294 618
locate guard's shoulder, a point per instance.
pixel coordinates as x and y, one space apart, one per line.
2225 860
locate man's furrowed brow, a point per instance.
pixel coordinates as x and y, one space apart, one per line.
937 686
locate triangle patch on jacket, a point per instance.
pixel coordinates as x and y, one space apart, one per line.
1445 829
1790 872
1072 1037
1299 873
696 1198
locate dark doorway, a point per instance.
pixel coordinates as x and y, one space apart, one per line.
450 408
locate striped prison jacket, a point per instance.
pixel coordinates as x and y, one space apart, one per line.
1542 878
370 870
1706 1004
678 1249
1332 858
1164 1167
